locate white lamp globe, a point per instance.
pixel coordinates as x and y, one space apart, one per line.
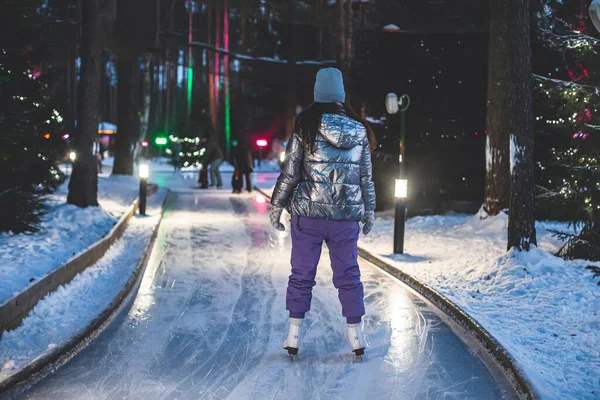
595 13
391 103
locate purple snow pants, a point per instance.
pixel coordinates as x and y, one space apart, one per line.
341 237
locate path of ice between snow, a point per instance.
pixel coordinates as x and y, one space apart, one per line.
209 322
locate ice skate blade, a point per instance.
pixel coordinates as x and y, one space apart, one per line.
358 360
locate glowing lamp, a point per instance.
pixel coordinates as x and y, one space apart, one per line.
65 136
160 141
72 156
261 143
595 13
391 103
401 189
47 136
260 199
144 143
144 171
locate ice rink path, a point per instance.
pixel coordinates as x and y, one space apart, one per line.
209 322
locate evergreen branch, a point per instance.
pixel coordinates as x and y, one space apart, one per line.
571 85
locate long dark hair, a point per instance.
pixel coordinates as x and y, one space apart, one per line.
309 121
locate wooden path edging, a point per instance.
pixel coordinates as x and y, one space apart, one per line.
14 310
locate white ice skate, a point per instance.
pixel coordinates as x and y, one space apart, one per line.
356 340
293 339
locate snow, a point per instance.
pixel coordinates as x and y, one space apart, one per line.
373 120
488 154
107 126
65 231
58 317
542 309
391 28
516 152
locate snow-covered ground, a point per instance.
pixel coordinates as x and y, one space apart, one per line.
544 310
65 231
61 315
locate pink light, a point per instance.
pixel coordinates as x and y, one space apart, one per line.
144 144
260 199
261 143
65 136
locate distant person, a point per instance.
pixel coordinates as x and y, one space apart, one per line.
326 184
241 159
177 157
212 159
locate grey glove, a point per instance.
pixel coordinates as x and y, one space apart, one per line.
368 221
276 212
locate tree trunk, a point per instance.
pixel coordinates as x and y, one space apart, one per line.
126 118
340 51
146 95
497 158
83 186
211 67
290 107
518 117
217 78
244 44
319 12
348 54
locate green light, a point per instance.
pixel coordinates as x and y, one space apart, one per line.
227 118
160 141
190 86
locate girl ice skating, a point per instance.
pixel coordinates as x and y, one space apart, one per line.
326 185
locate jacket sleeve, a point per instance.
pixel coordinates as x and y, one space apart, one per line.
366 178
291 172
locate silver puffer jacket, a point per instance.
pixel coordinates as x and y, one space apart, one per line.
335 181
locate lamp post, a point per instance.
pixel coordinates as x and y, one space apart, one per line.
72 157
393 105
143 173
260 143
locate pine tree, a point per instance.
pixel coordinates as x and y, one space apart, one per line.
567 119
30 127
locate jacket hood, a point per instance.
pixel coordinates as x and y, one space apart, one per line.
342 131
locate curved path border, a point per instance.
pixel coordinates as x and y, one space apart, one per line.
14 310
41 367
494 348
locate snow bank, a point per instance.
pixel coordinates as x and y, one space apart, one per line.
65 231
543 309
58 317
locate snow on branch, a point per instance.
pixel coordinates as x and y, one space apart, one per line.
569 85
244 57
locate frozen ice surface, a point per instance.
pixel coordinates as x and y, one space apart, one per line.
209 322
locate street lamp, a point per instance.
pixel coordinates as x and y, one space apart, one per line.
393 105
144 171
